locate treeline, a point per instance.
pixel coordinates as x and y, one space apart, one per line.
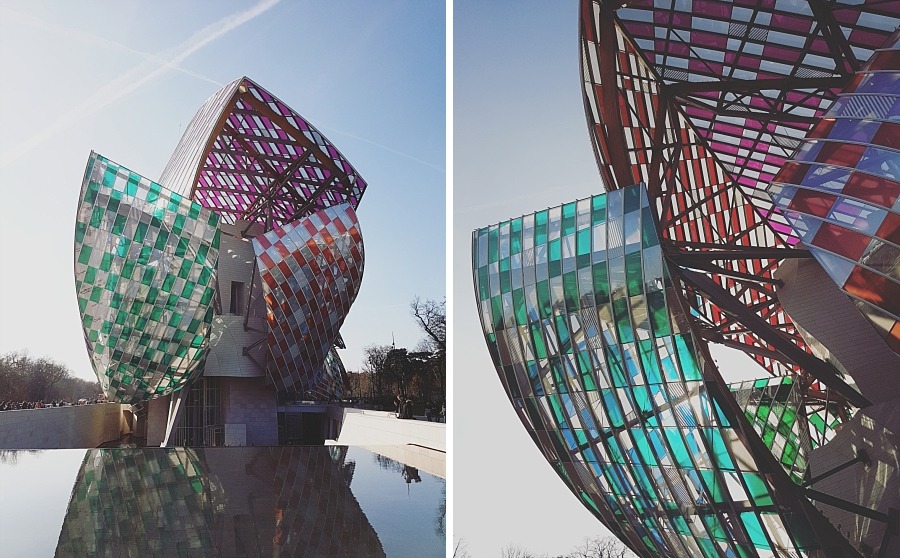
27 378
418 374
590 547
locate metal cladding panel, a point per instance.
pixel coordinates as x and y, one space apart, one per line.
145 278
841 192
573 304
311 271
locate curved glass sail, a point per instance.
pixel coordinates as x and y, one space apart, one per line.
586 333
145 277
311 272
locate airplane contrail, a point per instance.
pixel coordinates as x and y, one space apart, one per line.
137 77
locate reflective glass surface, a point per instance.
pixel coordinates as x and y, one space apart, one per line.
248 155
583 326
145 277
311 271
299 501
841 192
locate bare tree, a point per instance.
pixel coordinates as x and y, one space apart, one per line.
432 317
516 551
43 374
602 547
461 549
33 379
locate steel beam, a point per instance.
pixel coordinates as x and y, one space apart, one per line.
823 371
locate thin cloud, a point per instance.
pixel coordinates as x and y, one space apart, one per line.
11 17
384 147
137 77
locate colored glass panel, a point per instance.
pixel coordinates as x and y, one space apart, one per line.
311 271
136 338
627 420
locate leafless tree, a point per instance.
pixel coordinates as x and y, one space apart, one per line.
602 547
24 378
432 318
515 551
461 549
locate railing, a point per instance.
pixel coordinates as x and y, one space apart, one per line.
200 436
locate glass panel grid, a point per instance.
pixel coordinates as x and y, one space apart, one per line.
145 278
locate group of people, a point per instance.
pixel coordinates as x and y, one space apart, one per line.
21 405
434 411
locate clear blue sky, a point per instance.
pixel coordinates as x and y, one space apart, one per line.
124 79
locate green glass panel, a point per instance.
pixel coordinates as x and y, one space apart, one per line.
647 352
537 338
659 316
598 210
544 305
554 257
515 236
634 277
570 291
679 451
84 256
649 236
540 228
601 284
583 248
568 219
685 350
623 320
493 245
497 312
484 288
519 306
718 449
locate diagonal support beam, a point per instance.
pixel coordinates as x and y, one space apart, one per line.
753 85
819 369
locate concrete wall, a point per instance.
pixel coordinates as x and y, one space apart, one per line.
874 484
83 426
157 420
226 347
815 303
249 401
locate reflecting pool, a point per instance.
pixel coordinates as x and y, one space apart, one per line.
281 501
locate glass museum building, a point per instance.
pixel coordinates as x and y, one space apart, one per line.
749 161
212 298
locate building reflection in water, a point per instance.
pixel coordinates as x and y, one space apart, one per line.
290 501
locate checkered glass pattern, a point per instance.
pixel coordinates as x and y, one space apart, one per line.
311 272
128 502
145 277
578 313
841 192
774 407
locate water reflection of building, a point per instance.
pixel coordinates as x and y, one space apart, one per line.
216 295
216 502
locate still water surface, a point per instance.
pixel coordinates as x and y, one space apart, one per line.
284 501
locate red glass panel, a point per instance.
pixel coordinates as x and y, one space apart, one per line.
843 154
890 228
877 289
874 189
839 240
812 202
